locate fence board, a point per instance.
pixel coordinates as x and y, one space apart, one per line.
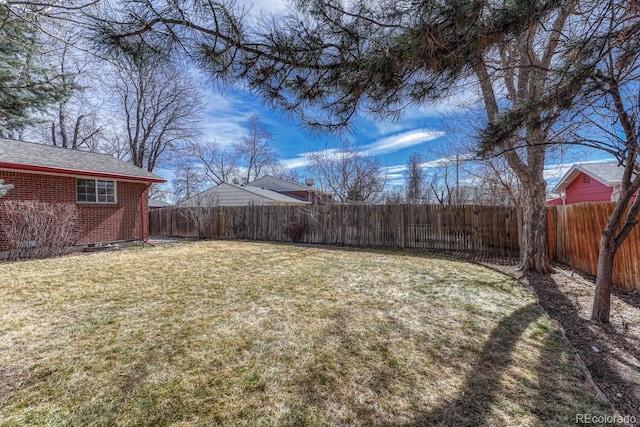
491 229
574 233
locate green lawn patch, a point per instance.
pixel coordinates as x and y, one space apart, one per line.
240 333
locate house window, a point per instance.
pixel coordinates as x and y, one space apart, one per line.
95 191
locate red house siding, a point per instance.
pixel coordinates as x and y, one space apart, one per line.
587 189
556 201
97 222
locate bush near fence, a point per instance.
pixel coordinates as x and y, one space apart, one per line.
490 229
574 233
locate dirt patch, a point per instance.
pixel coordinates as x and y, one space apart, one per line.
610 352
9 378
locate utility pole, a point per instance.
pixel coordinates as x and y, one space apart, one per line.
457 179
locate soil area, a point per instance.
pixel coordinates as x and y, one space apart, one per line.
610 352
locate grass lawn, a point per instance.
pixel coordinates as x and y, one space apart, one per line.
236 333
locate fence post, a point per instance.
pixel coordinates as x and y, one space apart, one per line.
403 231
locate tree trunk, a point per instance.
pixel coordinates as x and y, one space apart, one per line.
602 297
534 253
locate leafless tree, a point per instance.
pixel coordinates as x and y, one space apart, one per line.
160 191
415 179
159 107
188 180
394 196
255 151
496 182
350 174
74 123
610 111
442 187
198 211
220 164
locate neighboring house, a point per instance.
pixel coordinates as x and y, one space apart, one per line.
226 194
589 182
554 199
111 194
293 189
157 204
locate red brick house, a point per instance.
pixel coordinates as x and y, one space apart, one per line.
111 194
589 182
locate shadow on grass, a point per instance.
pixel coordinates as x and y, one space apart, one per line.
482 384
615 374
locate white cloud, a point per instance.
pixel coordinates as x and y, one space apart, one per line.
225 118
444 161
382 146
395 169
302 159
400 141
296 162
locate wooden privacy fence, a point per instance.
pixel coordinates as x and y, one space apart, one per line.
574 233
492 229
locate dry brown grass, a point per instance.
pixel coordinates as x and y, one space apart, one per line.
241 333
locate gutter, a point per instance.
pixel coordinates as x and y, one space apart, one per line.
142 215
15 167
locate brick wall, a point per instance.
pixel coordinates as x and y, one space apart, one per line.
97 222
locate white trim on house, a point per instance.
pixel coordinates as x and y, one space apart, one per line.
95 180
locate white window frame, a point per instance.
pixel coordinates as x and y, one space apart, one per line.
95 180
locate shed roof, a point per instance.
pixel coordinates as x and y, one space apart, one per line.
608 173
32 157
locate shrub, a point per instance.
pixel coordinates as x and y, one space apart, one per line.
198 217
295 231
37 229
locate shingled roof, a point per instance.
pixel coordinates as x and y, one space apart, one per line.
608 173
32 157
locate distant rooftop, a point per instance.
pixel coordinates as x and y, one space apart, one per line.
269 194
608 173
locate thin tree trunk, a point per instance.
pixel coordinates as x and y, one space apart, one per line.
602 297
612 238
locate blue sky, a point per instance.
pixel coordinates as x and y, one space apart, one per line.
421 129
429 130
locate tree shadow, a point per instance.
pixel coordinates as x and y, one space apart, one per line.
606 353
481 387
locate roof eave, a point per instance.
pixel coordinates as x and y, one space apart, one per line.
564 182
72 172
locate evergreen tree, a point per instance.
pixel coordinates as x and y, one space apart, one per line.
415 179
4 188
26 86
329 60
